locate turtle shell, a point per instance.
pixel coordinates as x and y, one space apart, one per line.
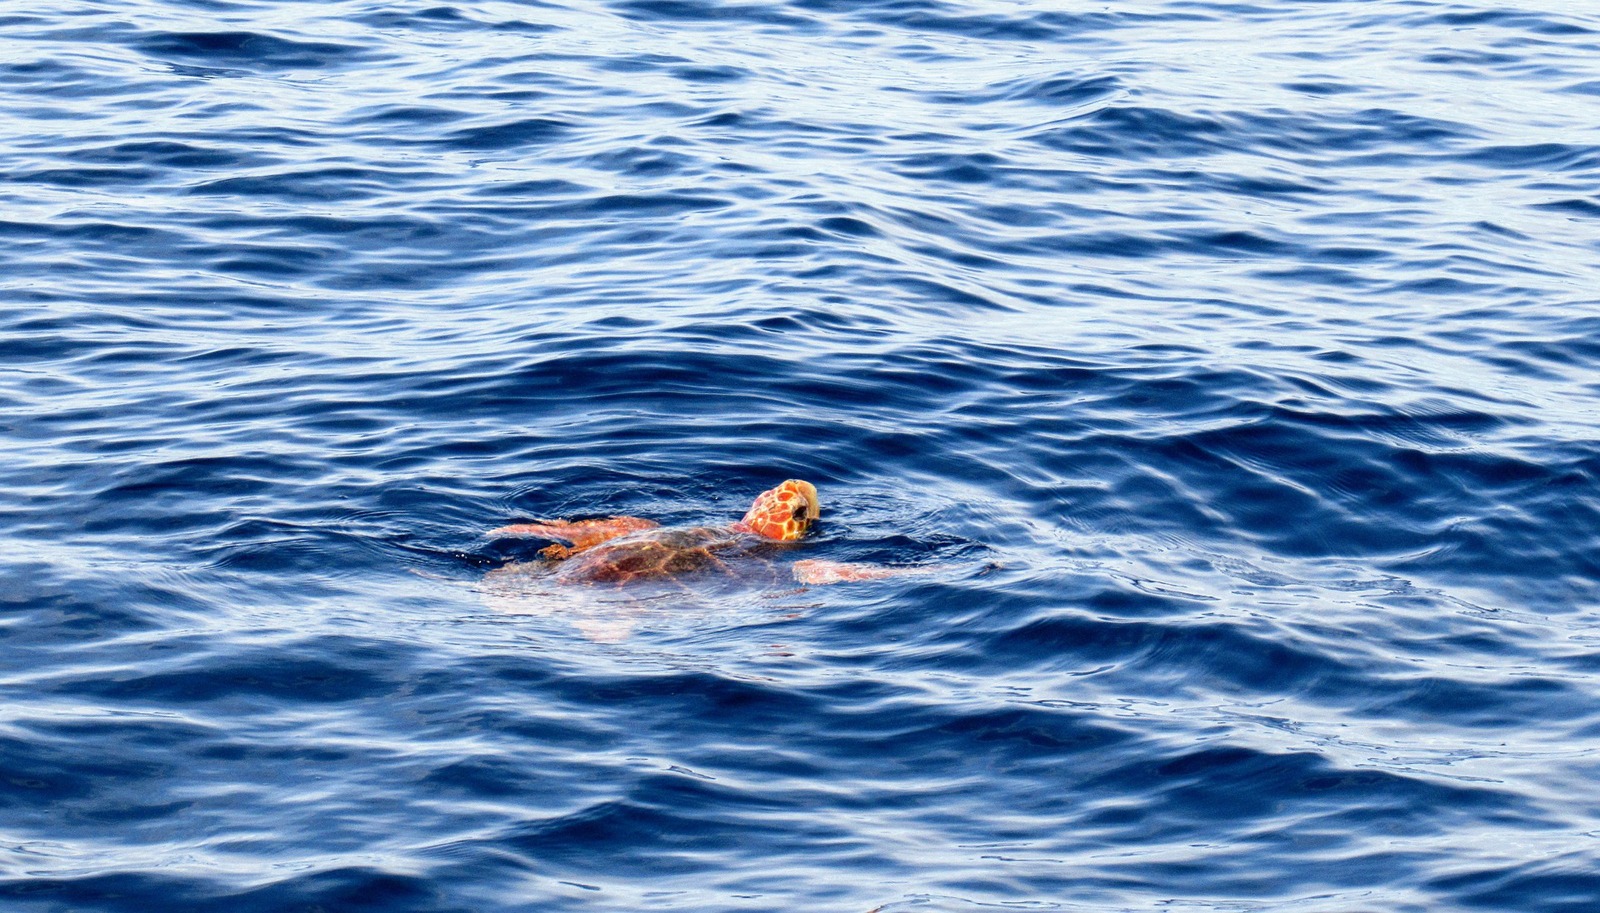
658 554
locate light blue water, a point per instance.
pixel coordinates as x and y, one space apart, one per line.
1235 365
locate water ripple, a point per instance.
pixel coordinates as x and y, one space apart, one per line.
1229 369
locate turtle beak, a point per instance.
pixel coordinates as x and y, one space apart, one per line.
809 492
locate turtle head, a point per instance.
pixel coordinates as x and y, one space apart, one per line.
784 513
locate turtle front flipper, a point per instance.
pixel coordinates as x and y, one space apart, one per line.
582 534
815 571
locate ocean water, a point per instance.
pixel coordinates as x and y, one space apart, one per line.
1230 370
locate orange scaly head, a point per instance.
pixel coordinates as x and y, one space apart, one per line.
785 512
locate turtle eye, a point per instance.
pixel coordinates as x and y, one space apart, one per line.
799 513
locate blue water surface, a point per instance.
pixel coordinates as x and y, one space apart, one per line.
1231 369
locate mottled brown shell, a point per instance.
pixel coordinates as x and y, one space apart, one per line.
665 553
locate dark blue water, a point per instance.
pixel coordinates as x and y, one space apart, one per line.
1236 366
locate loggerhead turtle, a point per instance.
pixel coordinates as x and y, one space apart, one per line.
624 550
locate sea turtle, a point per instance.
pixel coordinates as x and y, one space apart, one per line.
627 550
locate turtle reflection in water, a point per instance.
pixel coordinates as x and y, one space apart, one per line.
627 552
